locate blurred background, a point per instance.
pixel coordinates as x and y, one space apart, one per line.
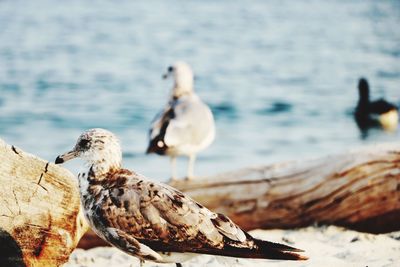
280 76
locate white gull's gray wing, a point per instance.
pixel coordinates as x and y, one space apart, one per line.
192 125
158 128
160 119
186 123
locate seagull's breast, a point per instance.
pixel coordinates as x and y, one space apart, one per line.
91 206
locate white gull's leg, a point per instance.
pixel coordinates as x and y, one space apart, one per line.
192 159
173 168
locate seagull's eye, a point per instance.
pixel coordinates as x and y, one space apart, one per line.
170 69
83 143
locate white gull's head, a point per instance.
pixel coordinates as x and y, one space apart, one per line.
183 77
96 147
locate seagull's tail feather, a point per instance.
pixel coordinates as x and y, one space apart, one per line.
252 248
150 149
279 246
270 250
259 249
155 148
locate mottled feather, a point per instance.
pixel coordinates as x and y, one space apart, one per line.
163 219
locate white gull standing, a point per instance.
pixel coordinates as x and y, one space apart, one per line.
151 220
186 125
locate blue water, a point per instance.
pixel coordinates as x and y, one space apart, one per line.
280 76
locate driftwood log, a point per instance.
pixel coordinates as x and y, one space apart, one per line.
358 190
40 217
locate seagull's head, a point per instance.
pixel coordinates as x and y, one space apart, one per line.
183 77
95 146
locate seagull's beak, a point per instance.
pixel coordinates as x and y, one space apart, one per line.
65 157
166 75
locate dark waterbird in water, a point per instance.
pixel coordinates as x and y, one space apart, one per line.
379 113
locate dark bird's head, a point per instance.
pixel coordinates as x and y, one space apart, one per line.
363 89
95 146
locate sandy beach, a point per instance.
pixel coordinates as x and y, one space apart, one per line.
326 246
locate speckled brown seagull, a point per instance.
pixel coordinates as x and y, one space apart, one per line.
151 220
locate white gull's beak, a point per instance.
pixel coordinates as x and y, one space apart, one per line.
168 73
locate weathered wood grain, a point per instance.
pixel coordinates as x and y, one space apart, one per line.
359 190
40 217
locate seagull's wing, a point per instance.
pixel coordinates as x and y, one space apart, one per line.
186 121
130 245
163 219
158 128
192 124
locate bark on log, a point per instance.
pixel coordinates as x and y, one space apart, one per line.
40 217
358 190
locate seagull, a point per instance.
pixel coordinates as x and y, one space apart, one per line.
153 221
374 113
186 125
